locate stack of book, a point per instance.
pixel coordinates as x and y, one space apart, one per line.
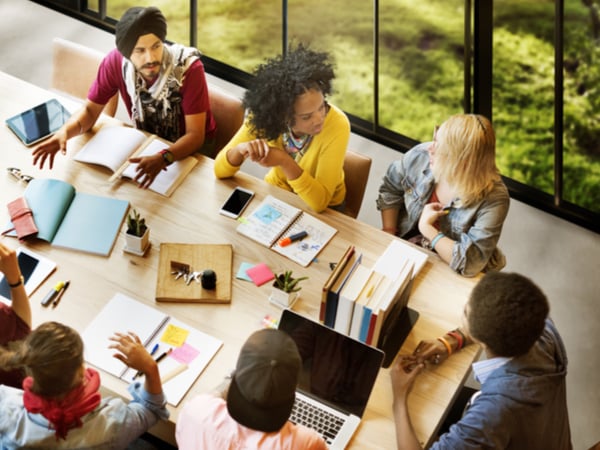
365 302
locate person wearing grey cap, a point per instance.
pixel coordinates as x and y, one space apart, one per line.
252 411
162 86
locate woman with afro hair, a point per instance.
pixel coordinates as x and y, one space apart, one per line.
292 129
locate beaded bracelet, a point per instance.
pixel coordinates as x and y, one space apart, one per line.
446 344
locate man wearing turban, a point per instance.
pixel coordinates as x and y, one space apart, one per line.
162 86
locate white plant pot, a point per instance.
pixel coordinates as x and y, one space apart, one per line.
137 245
282 298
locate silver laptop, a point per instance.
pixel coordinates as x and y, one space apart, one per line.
336 379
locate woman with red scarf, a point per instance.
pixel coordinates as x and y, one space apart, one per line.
60 406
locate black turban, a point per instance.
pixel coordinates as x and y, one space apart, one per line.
136 22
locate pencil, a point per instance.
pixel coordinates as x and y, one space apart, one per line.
173 373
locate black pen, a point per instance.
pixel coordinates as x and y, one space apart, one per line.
163 355
60 293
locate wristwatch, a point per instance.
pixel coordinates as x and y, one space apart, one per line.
167 156
18 283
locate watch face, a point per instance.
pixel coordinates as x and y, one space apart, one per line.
167 156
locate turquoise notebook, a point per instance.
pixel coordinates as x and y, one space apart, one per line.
74 220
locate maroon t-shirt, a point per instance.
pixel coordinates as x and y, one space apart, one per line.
12 328
194 90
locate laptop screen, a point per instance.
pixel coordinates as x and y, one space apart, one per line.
336 369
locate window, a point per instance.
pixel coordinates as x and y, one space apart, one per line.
403 66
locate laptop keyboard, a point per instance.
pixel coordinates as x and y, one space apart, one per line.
311 416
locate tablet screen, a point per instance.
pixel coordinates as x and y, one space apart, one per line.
35 269
39 122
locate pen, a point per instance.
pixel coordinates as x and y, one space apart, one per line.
139 373
293 238
60 293
163 355
53 293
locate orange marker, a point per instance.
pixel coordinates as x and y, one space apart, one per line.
293 238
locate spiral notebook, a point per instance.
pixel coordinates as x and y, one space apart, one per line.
275 219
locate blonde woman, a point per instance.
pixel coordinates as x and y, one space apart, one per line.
448 195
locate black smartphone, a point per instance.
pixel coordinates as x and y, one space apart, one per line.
237 202
39 122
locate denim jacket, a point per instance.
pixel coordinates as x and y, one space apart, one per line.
114 424
522 405
408 186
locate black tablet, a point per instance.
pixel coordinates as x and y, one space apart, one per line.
38 123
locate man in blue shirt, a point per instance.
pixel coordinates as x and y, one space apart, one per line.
522 402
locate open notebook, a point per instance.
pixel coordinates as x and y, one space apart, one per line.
274 219
336 379
111 147
191 349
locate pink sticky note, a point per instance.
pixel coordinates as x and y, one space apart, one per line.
260 274
184 354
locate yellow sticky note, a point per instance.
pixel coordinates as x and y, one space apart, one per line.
174 336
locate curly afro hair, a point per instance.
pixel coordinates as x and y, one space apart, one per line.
278 82
507 312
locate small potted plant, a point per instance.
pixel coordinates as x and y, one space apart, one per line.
285 289
137 237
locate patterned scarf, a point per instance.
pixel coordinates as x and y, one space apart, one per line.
158 109
67 412
296 147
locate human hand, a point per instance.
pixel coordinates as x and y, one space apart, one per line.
48 149
432 351
148 167
9 264
429 216
132 352
403 374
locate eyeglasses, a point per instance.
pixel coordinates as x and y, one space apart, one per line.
16 173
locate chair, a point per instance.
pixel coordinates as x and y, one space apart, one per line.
356 175
228 113
74 68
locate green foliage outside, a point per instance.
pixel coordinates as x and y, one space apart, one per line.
421 70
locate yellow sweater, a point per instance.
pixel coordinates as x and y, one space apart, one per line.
322 181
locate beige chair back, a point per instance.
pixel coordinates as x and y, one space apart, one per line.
74 69
356 175
228 113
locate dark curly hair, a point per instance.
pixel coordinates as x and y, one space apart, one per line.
507 312
278 82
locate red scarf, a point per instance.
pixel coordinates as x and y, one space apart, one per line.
65 413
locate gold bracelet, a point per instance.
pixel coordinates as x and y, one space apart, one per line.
446 344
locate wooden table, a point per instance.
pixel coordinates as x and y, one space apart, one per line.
191 216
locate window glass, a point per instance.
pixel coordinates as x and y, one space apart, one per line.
523 96
581 118
523 90
421 73
239 33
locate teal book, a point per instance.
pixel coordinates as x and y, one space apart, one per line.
74 220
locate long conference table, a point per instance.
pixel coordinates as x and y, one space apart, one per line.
191 215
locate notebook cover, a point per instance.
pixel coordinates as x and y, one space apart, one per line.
218 257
